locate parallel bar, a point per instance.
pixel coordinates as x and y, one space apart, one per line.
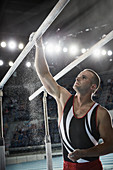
98 45
2 143
42 29
47 135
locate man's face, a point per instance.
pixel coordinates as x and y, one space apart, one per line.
83 82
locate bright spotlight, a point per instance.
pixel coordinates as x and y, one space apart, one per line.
57 48
65 50
49 48
21 46
12 45
110 52
103 52
10 63
96 52
73 49
28 64
87 29
3 44
1 62
83 50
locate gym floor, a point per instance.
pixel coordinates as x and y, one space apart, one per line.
107 162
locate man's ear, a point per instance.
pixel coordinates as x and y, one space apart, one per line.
93 87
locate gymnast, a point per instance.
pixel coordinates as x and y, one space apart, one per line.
82 122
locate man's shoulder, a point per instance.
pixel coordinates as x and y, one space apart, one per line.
102 109
102 112
64 92
64 95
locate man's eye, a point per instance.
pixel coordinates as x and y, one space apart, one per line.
84 77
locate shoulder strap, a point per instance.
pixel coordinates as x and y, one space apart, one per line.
94 123
68 105
91 122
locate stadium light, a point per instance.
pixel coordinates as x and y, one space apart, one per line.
65 50
57 48
103 52
10 63
12 45
96 53
110 52
1 62
28 64
3 44
21 46
73 49
83 50
49 48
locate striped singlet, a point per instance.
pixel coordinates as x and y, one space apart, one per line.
78 133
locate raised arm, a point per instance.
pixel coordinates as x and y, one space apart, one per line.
43 72
54 89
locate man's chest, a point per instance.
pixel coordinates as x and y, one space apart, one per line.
81 111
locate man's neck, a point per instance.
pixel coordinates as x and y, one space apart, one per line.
83 99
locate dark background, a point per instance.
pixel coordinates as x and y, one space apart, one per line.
19 18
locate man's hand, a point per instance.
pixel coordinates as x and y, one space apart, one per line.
75 155
38 43
31 36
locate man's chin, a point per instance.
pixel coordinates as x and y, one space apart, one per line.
75 88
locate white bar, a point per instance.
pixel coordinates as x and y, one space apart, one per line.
49 156
98 45
44 26
47 135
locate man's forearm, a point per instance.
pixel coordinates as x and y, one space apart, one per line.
40 61
99 150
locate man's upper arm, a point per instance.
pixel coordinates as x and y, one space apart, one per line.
105 125
50 85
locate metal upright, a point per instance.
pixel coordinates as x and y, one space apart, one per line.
2 143
47 135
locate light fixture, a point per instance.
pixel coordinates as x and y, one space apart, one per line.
96 52
65 50
21 46
49 48
11 63
12 45
87 29
1 62
28 64
103 52
110 52
83 50
57 48
3 44
73 49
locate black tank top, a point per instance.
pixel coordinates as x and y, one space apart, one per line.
78 133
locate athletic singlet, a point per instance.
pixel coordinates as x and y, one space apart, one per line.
78 133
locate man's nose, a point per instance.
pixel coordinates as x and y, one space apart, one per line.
78 78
